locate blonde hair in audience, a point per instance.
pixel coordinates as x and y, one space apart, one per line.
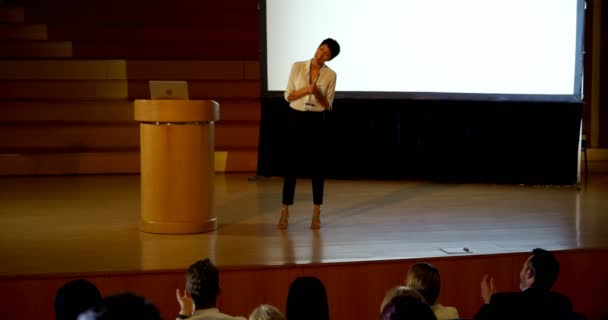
400 291
266 312
425 278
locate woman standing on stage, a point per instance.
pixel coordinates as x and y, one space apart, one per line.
310 91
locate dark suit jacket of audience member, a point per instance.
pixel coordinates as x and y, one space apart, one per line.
529 304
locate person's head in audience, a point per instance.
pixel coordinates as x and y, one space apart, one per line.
266 312
203 283
424 277
400 291
406 307
539 271
123 306
74 297
307 300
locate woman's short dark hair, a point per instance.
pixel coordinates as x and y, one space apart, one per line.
307 300
333 46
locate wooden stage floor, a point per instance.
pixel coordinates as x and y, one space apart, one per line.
82 224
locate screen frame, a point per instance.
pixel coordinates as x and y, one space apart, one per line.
577 95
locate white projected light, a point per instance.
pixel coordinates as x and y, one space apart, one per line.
499 47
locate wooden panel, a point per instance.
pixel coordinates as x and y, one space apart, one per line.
504 270
112 111
63 69
577 268
354 290
23 32
215 90
35 49
36 89
188 70
11 14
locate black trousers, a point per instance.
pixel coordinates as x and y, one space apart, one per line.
305 153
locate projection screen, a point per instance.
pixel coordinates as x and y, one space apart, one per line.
528 50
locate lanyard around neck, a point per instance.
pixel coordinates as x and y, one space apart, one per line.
310 74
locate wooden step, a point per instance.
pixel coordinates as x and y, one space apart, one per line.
236 161
120 89
217 14
62 90
225 50
216 90
76 137
35 49
192 70
12 14
150 32
33 69
90 137
597 154
236 136
240 110
69 163
71 111
14 31
105 111
109 162
63 70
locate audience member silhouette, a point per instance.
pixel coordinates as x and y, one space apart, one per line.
400 291
74 297
266 312
307 300
406 307
123 306
425 278
200 296
535 300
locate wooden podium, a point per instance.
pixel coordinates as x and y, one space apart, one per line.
177 165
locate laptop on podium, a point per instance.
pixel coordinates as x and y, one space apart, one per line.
168 90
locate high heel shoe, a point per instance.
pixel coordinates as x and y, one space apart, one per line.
283 221
316 218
